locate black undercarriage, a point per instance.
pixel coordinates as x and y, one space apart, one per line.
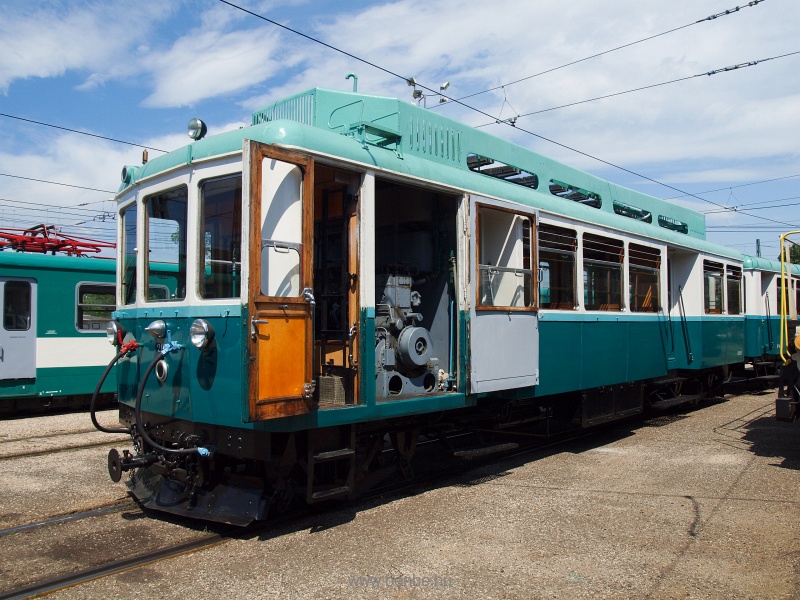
249 475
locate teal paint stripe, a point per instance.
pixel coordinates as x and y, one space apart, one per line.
59 381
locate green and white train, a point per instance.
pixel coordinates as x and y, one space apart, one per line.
353 271
52 336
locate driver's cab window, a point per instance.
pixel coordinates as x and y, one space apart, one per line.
166 242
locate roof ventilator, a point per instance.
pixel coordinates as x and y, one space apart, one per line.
499 170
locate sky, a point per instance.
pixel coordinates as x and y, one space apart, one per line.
726 144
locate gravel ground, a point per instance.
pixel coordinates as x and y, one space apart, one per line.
697 505
70 479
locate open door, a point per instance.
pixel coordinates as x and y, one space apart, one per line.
280 294
504 324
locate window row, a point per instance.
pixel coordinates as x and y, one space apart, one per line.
603 264
721 282
219 254
93 306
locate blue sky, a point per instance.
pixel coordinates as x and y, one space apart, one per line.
138 71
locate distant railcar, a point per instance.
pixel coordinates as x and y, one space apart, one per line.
352 271
52 336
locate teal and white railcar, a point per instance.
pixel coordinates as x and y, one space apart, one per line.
52 336
352 268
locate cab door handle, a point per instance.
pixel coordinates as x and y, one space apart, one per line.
254 323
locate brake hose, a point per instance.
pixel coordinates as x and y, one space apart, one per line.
138 411
124 349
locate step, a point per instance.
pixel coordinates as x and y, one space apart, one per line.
484 450
330 455
668 380
676 401
331 493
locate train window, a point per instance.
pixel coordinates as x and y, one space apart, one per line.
128 283
96 302
602 272
166 241
557 249
733 285
17 306
644 266
712 287
221 218
504 259
576 194
796 296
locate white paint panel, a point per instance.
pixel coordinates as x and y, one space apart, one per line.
73 352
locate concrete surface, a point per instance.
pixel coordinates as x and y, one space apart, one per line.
697 505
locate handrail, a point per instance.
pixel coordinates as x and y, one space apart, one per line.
769 327
785 262
687 341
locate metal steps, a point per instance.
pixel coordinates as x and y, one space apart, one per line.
676 401
330 484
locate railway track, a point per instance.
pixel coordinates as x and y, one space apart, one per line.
103 510
31 453
30 437
115 566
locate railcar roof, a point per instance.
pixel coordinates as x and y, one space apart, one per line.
393 135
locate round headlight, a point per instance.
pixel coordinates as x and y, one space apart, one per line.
201 333
197 129
114 333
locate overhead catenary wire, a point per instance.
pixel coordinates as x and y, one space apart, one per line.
628 45
482 112
645 87
80 187
757 205
731 11
730 187
94 135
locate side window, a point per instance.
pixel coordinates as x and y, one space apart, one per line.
166 241
128 281
96 302
712 287
17 306
220 252
557 250
733 285
644 266
602 272
505 259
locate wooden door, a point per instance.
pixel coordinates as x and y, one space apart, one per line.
281 300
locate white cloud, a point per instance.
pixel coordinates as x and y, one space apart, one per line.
47 40
207 64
